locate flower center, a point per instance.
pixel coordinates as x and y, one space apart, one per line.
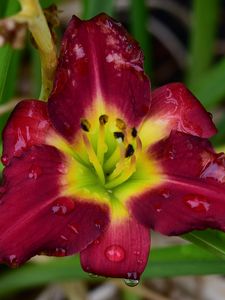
112 153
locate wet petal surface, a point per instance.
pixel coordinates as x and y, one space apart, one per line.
28 125
33 209
100 67
191 196
122 251
174 107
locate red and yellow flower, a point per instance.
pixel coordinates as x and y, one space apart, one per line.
106 159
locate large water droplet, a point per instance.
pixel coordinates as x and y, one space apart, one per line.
63 206
197 203
115 253
131 282
5 159
34 172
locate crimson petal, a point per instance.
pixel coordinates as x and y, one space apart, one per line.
122 251
27 126
176 104
35 218
192 195
98 60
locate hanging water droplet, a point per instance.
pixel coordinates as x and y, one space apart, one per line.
115 253
131 282
63 206
5 159
34 172
63 237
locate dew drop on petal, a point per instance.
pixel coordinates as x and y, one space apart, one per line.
5 159
63 206
131 282
73 228
115 253
34 172
60 252
197 203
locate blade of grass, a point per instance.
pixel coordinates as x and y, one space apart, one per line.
94 7
6 52
212 240
210 88
138 20
163 262
202 37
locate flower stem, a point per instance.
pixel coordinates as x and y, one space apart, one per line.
32 14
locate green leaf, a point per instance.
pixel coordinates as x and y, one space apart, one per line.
202 37
6 52
163 262
212 240
94 7
210 88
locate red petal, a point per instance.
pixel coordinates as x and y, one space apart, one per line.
35 218
98 60
175 104
27 126
122 251
192 195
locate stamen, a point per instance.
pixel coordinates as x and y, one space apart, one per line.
85 125
134 132
124 175
129 151
93 158
103 119
120 124
102 146
119 135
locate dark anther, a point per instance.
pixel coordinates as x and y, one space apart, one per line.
134 132
129 151
119 135
103 119
120 124
85 125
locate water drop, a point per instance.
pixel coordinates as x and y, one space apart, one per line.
140 261
197 203
60 252
165 194
96 242
63 237
131 282
137 253
63 206
5 159
98 224
73 228
115 253
34 172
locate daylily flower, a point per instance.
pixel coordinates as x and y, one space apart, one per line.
105 160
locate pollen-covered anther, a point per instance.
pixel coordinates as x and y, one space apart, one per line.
129 151
119 136
85 125
103 119
120 124
134 132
